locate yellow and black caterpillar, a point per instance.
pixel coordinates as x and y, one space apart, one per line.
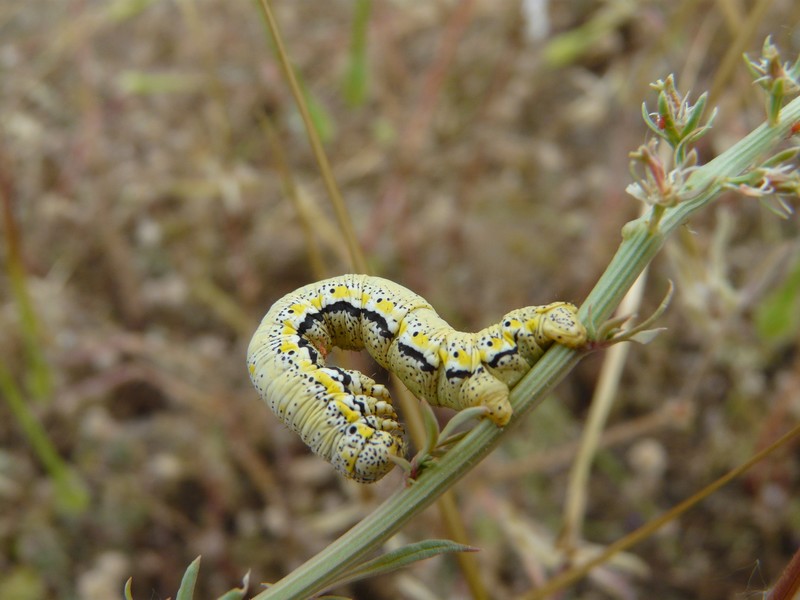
347 417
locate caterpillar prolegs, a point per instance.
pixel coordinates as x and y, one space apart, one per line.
348 418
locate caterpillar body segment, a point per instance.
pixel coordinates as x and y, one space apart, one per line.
348 418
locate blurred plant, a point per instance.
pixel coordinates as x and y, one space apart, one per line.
788 586
188 582
569 47
316 136
71 493
39 378
777 79
778 315
355 81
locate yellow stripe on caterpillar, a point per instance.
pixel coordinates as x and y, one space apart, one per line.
348 418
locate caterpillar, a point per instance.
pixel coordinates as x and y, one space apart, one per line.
348 418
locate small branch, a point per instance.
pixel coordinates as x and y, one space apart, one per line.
603 400
339 207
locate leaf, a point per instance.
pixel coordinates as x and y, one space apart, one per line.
778 315
237 593
72 493
640 333
460 418
431 427
323 122
401 462
396 559
22 582
186 591
145 83
650 123
129 589
122 10
355 80
646 335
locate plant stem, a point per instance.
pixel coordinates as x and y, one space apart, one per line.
646 530
637 249
71 492
39 381
339 206
602 401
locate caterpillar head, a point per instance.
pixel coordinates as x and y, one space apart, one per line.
559 322
363 452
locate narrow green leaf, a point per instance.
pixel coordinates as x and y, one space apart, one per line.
38 378
355 80
778 315
73 495
72 492
781 157
129 589
122 10
566 48
397 559
402 463
648 120
22 582
646 335
144 83
661 307
322 120
237 593
431 427
775 101
186 591
460 418
451 440
695 114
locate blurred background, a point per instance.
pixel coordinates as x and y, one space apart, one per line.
159 193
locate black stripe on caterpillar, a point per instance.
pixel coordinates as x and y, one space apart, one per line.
348 418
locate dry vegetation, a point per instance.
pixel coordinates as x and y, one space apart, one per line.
147 151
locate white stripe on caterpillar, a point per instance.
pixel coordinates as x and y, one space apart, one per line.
348 418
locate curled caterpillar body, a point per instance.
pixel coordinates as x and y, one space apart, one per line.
348 418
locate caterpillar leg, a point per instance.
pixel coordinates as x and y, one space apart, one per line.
343 416
483 389
363 427
364 443
375 395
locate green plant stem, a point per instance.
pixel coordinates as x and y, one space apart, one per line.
39 379
72 492
637 249
355 85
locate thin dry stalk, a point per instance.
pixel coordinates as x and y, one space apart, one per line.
605 393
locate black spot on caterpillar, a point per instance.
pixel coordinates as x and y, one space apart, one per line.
348 418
